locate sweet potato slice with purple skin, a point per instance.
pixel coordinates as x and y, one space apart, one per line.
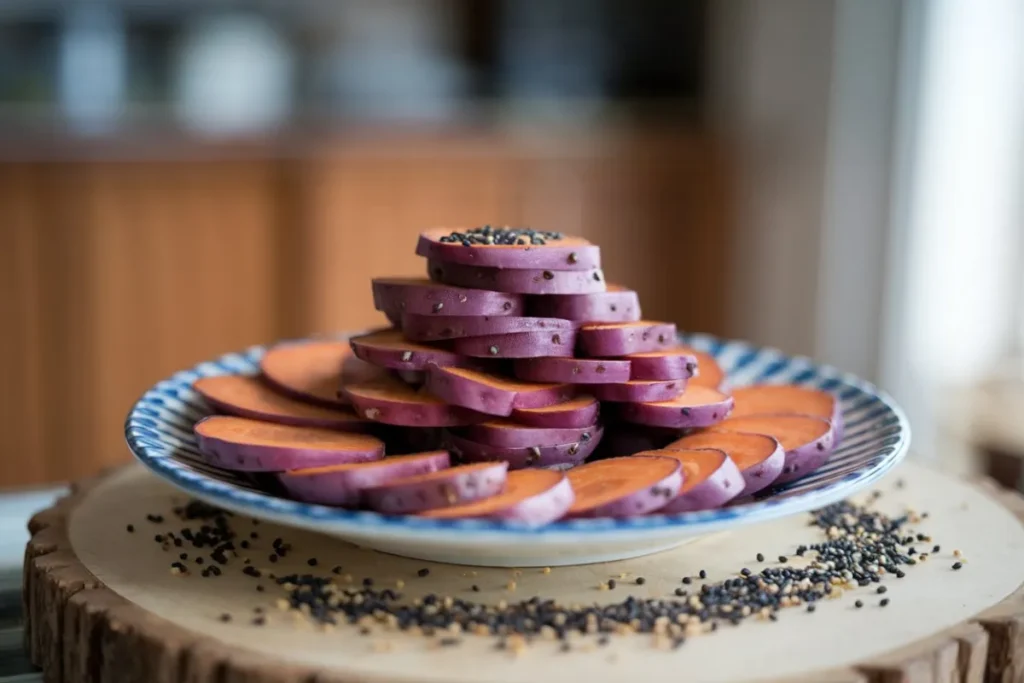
709 372
759 457
531 281
393 403
247 396
556 343
572 370
672 363
565 252
430 328
389 349
395 296
766 399
615 305
624 487
807 439
696 407
558 455
441 489
623 339
533 497
634 392
710 480
309 371
492 394
512 434
342 485
577 412
244 445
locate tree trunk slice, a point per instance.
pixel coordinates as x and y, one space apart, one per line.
102 606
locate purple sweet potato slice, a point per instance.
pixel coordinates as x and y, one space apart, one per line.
395 296
389 349
565 454
634 392
429 328
624 487
808 440
573 370
696 407
553 251
244 445
577 412
616 305
309 371
672 363
709 372
534 497
512 434
622 339
554 343
759 457
392 402
766 399
531 281
444 488
342 485
492 394
710 480
250 397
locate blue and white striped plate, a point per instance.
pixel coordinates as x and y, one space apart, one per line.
159 433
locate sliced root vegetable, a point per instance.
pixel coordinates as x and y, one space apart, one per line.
342 485
244 445
764 399
672 363
389 349
623 339
557 343
633 392
565 454
532 281
616 305
807 440
441 489
710 480
492 394
759 457
308 371
515 435
251 397
427 328
394 403
624 487
395 296
696 407
534 497
572 370
709 372
577 412
563 252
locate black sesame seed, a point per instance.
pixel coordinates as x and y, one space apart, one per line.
702 574
680 592
225 617
475 588
272 558
423 572
336 569
811 607
957 565
858 604
199 560
687 580
640 580
311 562
367 582
611 584
130 528
936 548
259 621
158 538
183 556
760 557
881 589
782 558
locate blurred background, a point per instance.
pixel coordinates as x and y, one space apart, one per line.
837 178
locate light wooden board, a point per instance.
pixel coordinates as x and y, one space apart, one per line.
103 602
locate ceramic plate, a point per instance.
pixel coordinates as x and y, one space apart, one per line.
159 433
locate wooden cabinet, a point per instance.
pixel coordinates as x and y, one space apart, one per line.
114 274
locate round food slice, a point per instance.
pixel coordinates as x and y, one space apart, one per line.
623 339
673 363
572 370
389 349
696 407
808 440
309 371
557 455
767 399
577 412
244 445
342 485
759 457
516 435
615 305
492 394
624 487
441 489
394 403
633 392
710 480
532 281
505 247
428 328
709 372
396 296
247 396
533 497
557 343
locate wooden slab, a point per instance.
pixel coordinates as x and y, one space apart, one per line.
103 606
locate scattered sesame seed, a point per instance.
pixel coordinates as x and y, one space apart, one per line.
311 562
858 604
883 602
423 572
130 528
881 589
760 557
640 580
957 565
702 574
225 617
